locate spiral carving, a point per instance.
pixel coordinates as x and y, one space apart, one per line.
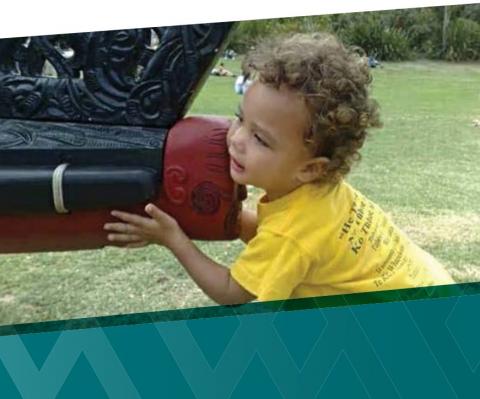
140 77
206 198
175 178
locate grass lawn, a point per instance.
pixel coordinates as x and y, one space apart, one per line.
422 167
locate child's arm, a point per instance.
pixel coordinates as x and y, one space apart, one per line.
248 225
214 279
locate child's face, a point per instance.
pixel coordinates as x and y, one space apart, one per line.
266 142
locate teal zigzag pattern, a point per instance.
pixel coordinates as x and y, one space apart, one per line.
404 349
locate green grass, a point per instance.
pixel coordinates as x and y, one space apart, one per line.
421 167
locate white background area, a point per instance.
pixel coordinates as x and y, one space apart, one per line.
29 17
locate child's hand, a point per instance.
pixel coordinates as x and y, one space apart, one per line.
137 231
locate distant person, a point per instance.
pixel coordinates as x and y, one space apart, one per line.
229 54
241 83
222 71
373 62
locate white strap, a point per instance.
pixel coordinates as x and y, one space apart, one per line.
57 188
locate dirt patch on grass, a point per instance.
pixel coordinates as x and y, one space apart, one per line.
465 273
8 298
432 230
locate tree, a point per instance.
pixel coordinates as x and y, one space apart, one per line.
446 20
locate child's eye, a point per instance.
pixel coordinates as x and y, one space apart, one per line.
261 141
239 116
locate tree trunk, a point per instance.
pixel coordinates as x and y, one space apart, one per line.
446 20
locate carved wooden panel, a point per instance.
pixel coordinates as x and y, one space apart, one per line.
143 77
24 142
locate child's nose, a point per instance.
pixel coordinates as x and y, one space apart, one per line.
237 138
231 132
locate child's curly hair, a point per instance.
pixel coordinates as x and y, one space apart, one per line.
333 80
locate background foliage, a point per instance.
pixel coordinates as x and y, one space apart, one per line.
449 32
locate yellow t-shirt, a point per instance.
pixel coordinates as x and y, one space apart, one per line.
327 240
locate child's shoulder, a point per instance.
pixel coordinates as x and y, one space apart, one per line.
310 205
330 204
314 204
328 194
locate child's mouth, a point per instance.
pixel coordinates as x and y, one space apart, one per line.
234 165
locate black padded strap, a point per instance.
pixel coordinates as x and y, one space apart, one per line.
29 189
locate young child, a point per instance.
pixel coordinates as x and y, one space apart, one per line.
297 132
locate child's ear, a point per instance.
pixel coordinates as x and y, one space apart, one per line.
313 169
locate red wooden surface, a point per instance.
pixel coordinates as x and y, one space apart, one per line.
196 189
